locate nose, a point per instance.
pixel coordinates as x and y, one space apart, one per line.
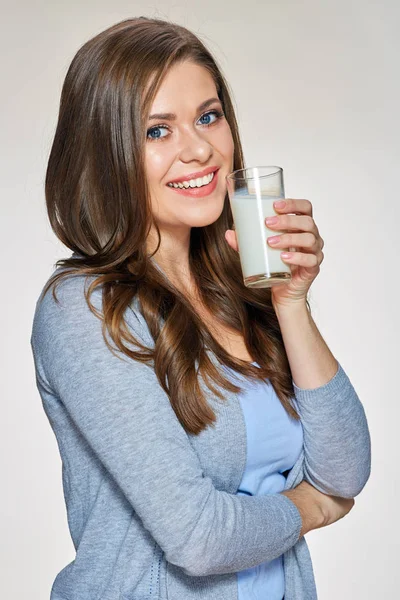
194 147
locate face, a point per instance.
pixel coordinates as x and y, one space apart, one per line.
189 150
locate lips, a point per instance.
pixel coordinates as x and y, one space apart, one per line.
197 192
199 174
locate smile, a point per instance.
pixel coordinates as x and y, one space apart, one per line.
199 182
197 188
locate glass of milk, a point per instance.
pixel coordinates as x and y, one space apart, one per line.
252 192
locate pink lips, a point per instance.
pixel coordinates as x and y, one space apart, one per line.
201 191
189 176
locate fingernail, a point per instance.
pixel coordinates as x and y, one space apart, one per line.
274 240
271 220
280 204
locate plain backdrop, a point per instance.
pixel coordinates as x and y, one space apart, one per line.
316 87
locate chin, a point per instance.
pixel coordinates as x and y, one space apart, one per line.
201 216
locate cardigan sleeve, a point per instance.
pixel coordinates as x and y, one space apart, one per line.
119 407
337 444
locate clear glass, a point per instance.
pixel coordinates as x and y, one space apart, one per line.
252 192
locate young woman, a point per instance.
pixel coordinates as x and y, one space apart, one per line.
204 427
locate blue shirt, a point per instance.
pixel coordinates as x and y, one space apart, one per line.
274 443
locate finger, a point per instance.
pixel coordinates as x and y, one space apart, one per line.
299 240
294 223
296 206
301 259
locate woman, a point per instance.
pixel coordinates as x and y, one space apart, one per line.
180 483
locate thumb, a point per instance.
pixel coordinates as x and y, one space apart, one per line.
230 236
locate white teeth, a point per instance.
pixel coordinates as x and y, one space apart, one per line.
199 182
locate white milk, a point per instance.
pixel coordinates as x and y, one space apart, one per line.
259 261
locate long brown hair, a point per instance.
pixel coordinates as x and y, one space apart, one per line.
98 205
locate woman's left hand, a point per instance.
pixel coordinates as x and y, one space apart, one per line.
303 235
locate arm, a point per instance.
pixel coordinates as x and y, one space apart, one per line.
119 407
337 443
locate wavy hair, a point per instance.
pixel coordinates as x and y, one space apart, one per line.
98 205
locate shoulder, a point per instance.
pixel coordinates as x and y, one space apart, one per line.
69 313
69 305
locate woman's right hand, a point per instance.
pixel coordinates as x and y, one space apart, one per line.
318 509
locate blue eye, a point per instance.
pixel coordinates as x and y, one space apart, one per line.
154 133
206 118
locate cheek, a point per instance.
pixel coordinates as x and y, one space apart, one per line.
158 160
226 145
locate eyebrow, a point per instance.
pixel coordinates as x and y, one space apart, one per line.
172 116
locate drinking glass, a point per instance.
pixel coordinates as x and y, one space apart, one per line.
252 193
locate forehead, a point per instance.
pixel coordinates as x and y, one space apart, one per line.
186 85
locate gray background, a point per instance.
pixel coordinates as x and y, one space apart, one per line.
316 85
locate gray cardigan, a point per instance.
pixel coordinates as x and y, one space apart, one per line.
153 511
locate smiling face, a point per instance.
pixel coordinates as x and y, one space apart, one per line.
189 142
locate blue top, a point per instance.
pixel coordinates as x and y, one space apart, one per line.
274 443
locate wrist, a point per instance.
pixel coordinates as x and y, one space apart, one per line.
289 308
310 509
